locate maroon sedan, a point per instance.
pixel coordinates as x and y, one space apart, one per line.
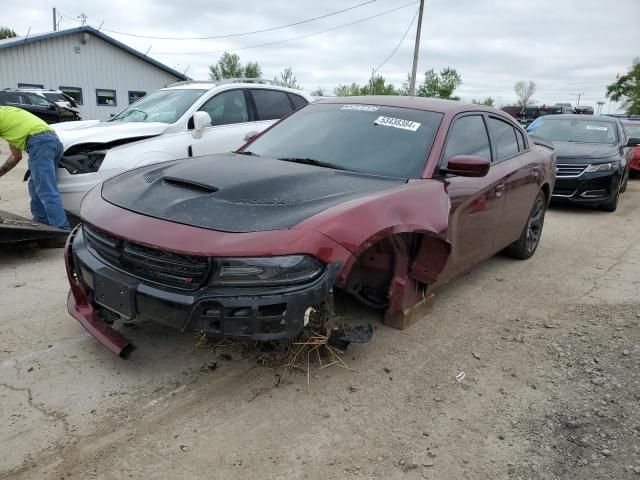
383 197
632 129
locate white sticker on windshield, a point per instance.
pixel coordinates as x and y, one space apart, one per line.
596 127
397 123
364 108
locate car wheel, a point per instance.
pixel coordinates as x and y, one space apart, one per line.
527 244
612 204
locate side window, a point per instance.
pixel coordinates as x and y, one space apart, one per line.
38 100
227 108
298 101
271 104
468 136
504 136
522 143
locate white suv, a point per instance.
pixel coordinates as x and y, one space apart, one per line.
187 119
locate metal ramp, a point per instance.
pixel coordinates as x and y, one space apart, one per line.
16 229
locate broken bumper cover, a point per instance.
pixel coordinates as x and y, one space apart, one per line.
256 313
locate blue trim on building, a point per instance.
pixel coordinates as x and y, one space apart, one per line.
115 97
14 42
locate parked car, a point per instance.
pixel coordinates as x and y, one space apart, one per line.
185 120
529 114
632 129
593 158
56 96
584 110
38 105
567 107
384 197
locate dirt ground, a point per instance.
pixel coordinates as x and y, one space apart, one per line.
550 348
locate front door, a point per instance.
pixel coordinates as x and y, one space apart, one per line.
476 202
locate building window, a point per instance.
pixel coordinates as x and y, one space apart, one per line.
29 85
106 98
73 92
135 96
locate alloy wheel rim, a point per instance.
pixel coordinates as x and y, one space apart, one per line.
534 227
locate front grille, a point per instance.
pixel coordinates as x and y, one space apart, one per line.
570 169
159 266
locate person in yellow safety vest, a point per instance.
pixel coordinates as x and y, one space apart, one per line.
26 132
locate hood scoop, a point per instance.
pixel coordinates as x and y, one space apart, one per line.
189 185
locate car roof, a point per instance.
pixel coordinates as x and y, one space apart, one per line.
416 103
206 85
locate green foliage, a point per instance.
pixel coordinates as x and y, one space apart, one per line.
627 89
440 85
286 78
229 66
489 102
376 86
6 32
318 92
524 92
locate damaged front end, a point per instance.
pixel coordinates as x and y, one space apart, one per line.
112 278
88 157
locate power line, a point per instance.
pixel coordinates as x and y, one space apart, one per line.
397 46
271 29
292 38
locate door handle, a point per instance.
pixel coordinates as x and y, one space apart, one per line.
500 189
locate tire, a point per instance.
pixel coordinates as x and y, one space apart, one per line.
625 181
527 244
612 204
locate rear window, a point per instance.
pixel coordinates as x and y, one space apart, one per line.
632 129
387 141
578 130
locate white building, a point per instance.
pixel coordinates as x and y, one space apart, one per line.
101 73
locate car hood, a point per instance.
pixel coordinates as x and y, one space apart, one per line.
577 152
95 131
238 193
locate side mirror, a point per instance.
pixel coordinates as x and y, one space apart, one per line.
633 142
251 135
53 106
201 120
468 166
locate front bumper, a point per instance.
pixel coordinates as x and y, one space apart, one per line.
587 189
255 313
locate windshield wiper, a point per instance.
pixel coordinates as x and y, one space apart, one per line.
313 161
247 152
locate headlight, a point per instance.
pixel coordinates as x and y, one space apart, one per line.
602 167
284 270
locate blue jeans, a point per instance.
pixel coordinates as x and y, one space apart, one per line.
46 205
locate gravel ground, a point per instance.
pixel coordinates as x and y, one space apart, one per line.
550 348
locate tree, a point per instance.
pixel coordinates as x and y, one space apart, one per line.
6 32
378 86
440 85
229 66
347 90
489 102
318 92
627 89
286 78
524 92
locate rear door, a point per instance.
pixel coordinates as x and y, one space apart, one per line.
520 172
43 108
476 202
270 105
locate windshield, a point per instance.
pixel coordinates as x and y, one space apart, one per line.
372 139
574 130
165 106
632 129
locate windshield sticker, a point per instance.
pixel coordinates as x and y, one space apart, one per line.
596 127
363 108
397 123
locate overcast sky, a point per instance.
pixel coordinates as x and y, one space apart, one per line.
565 46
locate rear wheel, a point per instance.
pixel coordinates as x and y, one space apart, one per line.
527 244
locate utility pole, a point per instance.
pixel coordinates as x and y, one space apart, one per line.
55 20
412 83
600 105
